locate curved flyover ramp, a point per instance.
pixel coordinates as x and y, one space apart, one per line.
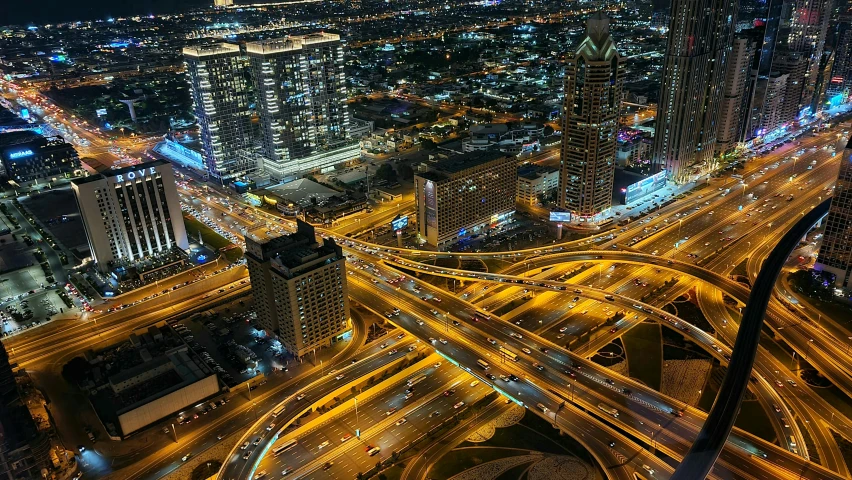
704 452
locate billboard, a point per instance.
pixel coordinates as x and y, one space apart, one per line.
560 216
644 187
399 223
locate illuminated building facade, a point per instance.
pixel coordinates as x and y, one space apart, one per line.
594 79
733 113
699 43
465 195
220 103
301 99
835 254
25 157
299 288
131 213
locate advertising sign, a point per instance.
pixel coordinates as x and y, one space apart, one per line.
399 223
560 217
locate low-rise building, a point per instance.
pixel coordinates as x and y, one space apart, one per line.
26 157
535 182
503 137
465 195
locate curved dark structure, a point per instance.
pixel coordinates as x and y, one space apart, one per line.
713 435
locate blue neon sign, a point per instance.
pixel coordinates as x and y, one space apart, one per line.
21 154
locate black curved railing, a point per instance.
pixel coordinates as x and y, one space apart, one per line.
700 459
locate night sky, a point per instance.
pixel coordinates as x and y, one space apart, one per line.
39 12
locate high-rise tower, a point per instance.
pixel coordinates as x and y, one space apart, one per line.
736 95
594 79
699 42
220 102
835 254
301 99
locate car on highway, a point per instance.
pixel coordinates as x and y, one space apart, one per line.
247 455
323 444
434 414
256 441
259 474
339 377
401 421
245 446
346 437
286 471
300 396
458 405
391 411
327 465
474 383
526 350
443 340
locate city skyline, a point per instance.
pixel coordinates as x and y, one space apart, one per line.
427 239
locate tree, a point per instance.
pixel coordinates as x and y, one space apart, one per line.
386 172
405 172
548 130
75 371
428 144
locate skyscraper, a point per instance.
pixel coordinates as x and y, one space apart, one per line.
220 102
835 254
299 288
699 42
301 99
594 78
839 85
806 36
776 10
737 92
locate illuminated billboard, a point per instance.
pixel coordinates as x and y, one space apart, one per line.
644 187
560 216
399 223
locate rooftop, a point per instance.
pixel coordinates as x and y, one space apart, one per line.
290 44
208 50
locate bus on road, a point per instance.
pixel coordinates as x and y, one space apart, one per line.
509 354
284 447
415 380
278 411
606 408
482 364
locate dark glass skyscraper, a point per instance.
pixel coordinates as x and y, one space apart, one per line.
699 42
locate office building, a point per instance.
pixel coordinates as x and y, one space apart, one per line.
131 213
301 99
465 195
24 450
733 114
220 103
772 116
594 79
835 254
699 43
28 157
299 288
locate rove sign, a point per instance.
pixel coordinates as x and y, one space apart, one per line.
138 173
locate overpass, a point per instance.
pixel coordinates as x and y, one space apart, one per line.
713 435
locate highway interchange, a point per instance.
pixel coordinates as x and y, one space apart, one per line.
696 242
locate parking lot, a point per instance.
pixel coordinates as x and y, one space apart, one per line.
57 211
231 345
